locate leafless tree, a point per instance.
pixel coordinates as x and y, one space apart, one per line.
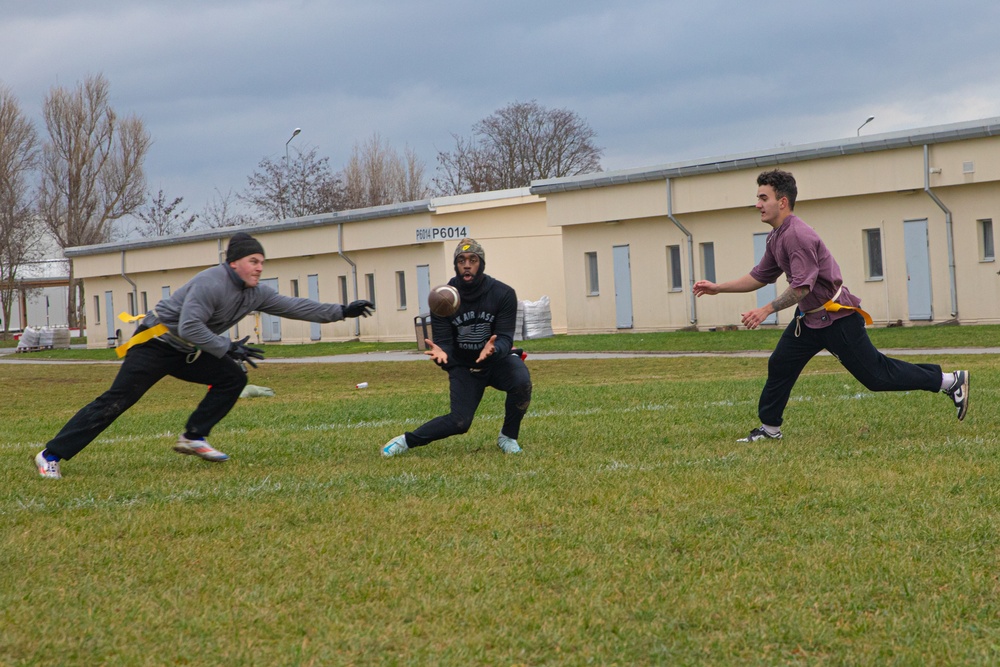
221 212
303 186
158 217
92 169
377 175
515 145
20 235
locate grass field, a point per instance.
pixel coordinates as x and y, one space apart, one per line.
632 530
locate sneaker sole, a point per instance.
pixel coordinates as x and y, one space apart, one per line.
184 450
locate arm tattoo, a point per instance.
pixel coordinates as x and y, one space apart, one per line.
789 297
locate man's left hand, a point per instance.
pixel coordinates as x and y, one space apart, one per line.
488 349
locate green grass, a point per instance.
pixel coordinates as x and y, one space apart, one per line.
677 341
632 530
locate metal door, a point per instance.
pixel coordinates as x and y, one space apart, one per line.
109 313
623 286
423 288
270 325
918 270
767 293
315 330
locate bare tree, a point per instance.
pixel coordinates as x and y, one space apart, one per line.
515 145
377 175
20 236
221 212
161 218
303 186
92 169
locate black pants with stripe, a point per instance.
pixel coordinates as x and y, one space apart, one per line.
847 340
467 388
144 366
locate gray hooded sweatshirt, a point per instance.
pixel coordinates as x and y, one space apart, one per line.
199 314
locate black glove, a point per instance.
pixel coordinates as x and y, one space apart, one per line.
359 308
240 351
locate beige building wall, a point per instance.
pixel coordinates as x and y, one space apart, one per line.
537 240
872 187
348 252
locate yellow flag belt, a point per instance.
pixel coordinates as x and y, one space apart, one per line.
832 306
139 338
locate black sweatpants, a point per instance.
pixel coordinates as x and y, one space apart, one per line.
847 340
467 388
144 366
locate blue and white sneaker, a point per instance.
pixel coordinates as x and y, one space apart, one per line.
46 468
395 447
508 445
199 448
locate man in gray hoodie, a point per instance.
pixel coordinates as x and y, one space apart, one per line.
191 345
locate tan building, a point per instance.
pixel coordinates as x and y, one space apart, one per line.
909 217
391 255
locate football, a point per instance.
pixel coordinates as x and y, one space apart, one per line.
443 300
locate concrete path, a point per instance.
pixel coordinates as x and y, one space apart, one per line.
8 357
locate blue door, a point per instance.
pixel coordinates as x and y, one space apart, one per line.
918 270
623 286
767 293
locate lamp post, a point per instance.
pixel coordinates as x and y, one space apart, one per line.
867 120
288 173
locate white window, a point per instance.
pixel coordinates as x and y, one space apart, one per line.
342 283
708 261
986 253
593 282
873 253
401 290
674 279
370 285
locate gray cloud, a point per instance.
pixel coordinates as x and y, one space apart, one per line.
221 83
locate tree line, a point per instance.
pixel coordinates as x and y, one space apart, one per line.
85 182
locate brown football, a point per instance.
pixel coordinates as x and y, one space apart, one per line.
443 301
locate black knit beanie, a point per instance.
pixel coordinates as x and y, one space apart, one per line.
241 245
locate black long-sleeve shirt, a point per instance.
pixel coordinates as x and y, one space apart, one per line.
463 335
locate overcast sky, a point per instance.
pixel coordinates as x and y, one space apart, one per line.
222 84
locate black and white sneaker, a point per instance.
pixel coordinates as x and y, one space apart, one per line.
760 434
959 392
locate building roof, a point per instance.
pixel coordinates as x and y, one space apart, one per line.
976 129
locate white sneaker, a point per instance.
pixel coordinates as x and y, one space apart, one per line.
508 445
199 448
395 447
46 468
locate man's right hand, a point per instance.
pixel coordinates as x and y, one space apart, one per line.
705 287
240 351
359 308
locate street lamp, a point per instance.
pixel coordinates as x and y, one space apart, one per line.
867 120
288 174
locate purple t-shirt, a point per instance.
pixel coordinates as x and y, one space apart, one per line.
796 250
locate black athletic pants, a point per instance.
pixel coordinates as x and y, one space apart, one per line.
467 388
847 340
144 366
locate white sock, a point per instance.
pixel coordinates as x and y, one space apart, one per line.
771 430
947 379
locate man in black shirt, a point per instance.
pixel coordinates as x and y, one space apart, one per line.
474 347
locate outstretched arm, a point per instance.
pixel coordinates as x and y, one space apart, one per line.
745 284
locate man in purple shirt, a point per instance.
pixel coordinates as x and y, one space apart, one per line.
827 316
